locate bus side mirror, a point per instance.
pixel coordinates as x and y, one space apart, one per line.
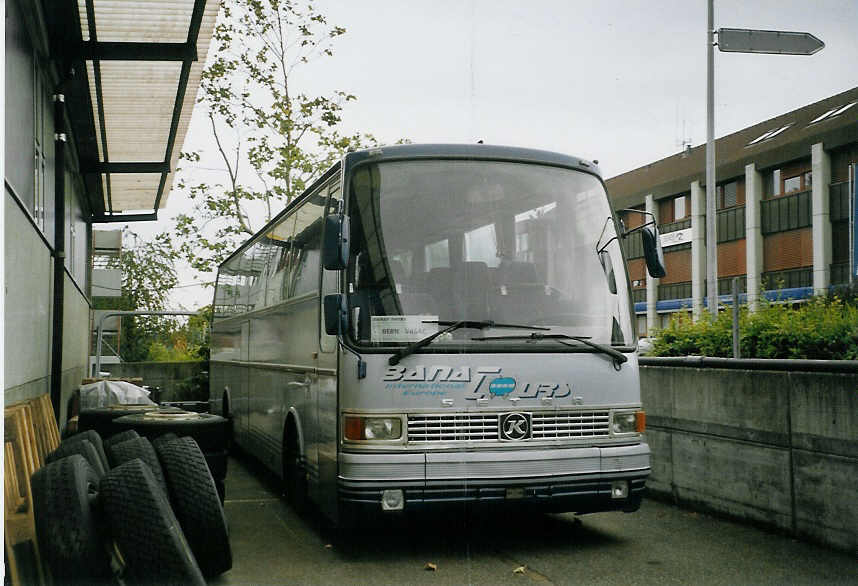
335 255
653 253
336 315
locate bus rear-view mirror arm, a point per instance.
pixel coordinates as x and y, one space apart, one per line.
653 253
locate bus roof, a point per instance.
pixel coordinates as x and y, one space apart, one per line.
471 152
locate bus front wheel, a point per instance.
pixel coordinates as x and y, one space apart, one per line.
294 476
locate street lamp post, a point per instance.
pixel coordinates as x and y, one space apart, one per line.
711 238
733 40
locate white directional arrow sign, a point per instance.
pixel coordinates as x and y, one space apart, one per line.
743 40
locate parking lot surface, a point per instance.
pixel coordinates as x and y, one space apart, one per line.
660 544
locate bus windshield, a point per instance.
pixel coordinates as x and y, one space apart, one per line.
508 242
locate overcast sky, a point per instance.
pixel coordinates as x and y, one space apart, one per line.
621 81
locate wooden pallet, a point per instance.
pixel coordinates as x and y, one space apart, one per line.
30 434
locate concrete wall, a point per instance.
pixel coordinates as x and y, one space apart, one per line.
777 448
27 327
28 272
168 376
75 342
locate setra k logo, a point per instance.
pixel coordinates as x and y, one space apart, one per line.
515 426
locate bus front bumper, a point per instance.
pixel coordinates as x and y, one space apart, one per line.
582 480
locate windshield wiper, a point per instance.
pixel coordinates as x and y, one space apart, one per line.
619 357
452 325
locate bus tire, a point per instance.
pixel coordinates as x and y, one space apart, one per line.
120 437
294 477
67 524
93 438
209 430
82 447
145 529
138 448
197 504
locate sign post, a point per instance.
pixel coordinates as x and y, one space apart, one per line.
853 221
736 40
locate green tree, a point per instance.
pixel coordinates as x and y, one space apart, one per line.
271 138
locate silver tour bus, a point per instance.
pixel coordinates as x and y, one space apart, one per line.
438 324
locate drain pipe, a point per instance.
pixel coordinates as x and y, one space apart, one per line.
59 253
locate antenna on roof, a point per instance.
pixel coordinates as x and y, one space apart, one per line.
684 141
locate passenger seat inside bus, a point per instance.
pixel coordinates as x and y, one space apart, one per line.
413 298
519 293
471 287
439 284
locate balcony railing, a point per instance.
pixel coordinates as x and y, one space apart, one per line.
839 201
788 279
789 212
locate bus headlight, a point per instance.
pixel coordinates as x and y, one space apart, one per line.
623 422
372 428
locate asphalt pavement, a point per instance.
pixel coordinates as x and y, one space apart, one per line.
660 544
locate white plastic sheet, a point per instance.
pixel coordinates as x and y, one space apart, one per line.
112 392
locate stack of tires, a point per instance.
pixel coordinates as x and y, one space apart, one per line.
127 510
211 432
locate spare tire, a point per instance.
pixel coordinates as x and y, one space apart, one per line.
145 529
137 448
101 419
96 442
67 526
210 431
120 437
196 504
163 438
81 447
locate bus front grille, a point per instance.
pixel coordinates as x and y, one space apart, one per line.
570 424
476 427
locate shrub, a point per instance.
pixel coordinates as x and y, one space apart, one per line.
823 328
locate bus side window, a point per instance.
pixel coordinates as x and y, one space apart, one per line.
306 246
281 237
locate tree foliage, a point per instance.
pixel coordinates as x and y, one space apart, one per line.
822 328
148 275
270 138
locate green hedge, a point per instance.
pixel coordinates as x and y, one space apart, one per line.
823 329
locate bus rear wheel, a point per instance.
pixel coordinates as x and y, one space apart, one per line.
294 476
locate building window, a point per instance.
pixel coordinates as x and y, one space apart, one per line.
792 184
679 208
801 182
727 195
776 182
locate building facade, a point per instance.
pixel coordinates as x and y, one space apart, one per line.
784 198
97 95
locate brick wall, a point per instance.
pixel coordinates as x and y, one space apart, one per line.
678 266
786 250
731 258
637 270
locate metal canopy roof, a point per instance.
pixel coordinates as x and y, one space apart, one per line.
137 67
